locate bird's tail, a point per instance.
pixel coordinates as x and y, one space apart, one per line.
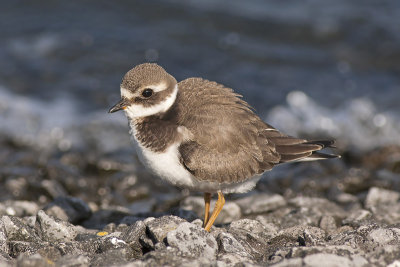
294 149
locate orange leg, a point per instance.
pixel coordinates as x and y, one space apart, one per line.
217 209
207 199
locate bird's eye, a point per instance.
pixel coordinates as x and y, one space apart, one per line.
147 92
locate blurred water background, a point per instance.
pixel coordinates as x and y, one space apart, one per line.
310 68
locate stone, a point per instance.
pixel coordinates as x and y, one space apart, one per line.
306 235
54 230
18 208
289 263
159 228
71 209
327 260
382 236
260 203
255 227
233 259
227 243
73 261
378 196
193 241
15 229
33 261
132 236
357 217
328 224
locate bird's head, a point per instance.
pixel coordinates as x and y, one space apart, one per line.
146 90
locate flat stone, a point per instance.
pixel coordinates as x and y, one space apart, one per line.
53 230
193 241
378 196
71 209
260 203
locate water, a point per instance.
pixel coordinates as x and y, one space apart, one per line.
311 68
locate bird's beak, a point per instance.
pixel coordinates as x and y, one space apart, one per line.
122 104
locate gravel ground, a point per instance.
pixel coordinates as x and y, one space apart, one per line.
85 209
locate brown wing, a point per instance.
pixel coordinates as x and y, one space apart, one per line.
231 141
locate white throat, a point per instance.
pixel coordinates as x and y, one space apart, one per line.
138 111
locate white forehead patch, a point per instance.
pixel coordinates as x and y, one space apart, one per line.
137 110
125 93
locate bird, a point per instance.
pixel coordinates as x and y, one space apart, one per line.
202 136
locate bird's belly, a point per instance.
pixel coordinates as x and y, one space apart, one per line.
167 166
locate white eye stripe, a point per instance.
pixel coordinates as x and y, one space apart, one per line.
156 88
137 110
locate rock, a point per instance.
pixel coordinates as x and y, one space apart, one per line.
193 241
328 260
357 217
306 235
18 208
230 211
132 236
71 209
227 243
233 259
17 248
33 261
255 243
113 257
289 263
169 256
3 238
54 230
328 223
101 218
255 227
73 261
378 196
260 203
16 230
383 236
159 228
318 206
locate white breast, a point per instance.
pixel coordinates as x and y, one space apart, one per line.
167 166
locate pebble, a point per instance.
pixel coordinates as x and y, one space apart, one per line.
53 230
327 260
70 209
260 203
378 196
193 241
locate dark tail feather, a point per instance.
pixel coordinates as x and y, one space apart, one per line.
292 149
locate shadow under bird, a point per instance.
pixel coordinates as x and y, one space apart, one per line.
200 135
